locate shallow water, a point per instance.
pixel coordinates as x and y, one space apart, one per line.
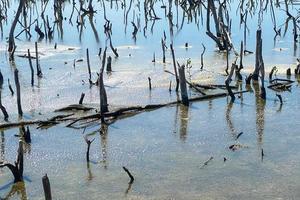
164 149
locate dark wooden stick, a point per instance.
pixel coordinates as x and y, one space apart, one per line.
47 187
108 66
228 81
129 174
38 68
103 96
18 92
183 88
31 67
27 135
1 80
175 68
149 80
10 88
88 142
88 65
5 114
81 98
202 54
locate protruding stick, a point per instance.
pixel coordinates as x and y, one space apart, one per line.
47 188
129 174
18 92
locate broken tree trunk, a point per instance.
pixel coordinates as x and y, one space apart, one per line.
183 88
18 92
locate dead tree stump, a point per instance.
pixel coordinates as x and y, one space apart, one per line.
183 88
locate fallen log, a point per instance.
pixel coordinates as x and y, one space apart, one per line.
117 114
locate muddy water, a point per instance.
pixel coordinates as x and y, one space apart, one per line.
164 149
